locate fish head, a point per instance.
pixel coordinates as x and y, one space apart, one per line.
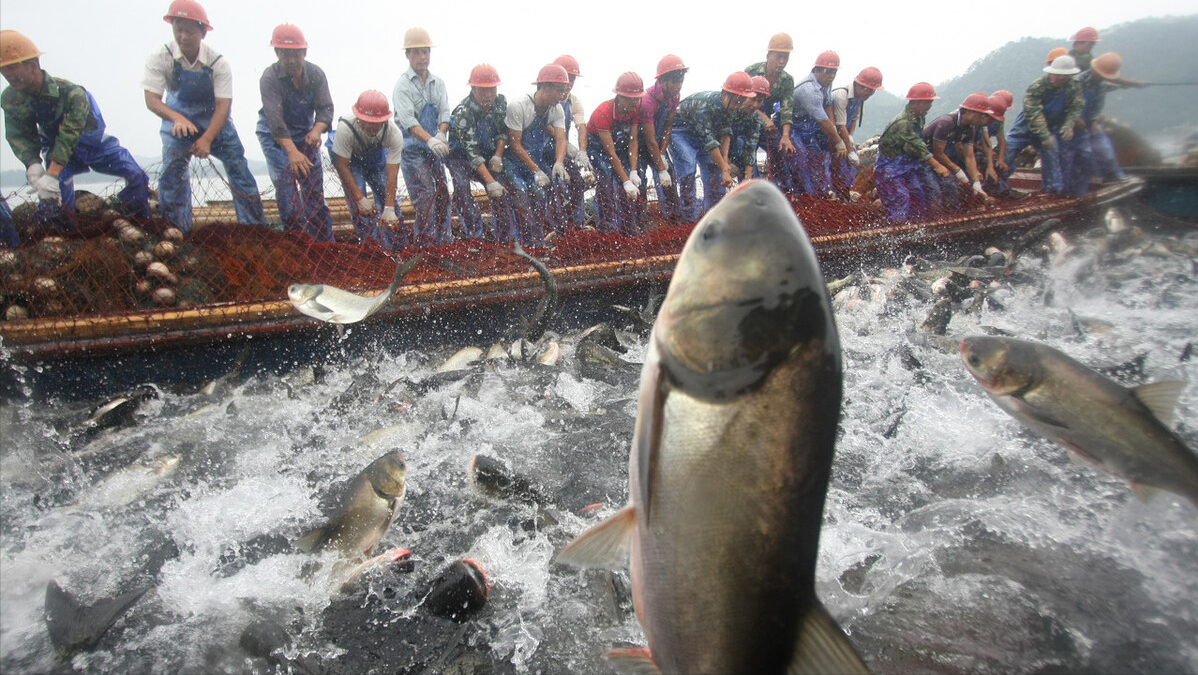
300 294
388 474
1004 367
746 290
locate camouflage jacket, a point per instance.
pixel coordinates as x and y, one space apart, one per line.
702 116
746 129
73 117
904 135
1033 106
782 94
464 125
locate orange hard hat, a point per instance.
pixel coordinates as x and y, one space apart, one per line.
761 85
16 48
630 84
1052 55
869 77
569 63
288 36
1086 34
781 42
1006 96
484 75
668 64
828 59
739 83
998 106
1107 65
187 9
552 73
371 106
922 91
977 102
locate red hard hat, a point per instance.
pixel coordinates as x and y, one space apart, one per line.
552 73
761 85
998 106
569 63
288 36
1086 34
869 77
484 75
371 106
668 64
187 9
977 102
828 59
1006 96
630 84
922 91
739 83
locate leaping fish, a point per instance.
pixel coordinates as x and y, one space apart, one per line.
335 305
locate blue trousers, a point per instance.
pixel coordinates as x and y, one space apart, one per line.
8 228
469 215
899 188
1052 162
108 157
689 156
1081 163
428 188
300 198
1106 164
174 185
843 175
533 207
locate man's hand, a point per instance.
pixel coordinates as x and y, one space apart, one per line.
541 179
841 150
312 138
495 164
183 128
48 189
389 216
786 145
201 148
34 173
299 162
365 206
854 159
439 147
495 190
663 178
559 172
1049 144
630 189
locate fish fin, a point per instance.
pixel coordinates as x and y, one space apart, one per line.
604 545
310 543
1160 398
822 647
1143 491
647 433
1075 456
73 626
633 661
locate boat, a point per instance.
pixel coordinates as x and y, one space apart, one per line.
80 341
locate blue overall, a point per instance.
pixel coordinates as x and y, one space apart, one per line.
300 198
770 141
193 97
424 176
535 207
1095 156
809 164
844 173
369 167
689 156
571 196
614 211
1054 164
667 198
979 155
458 163
97 151
899 188
8 228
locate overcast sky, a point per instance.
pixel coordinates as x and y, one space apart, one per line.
102 44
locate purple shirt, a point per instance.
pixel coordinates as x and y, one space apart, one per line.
654 100
948 129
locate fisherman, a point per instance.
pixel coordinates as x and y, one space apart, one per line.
777 110
60 119
296 109
573 194
536 123
422 113
370 169
362 141
950 136
1083 43
658 107
198 85
741 146
813 132
1103 164
989 159
477 140
703 121
1052 108
613 137
847 112
901 151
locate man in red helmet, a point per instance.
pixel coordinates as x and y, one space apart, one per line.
1083 44
950 136
740 149
703 122
814 133
578 164
536 127
360 143
1052 107
777 109
613 147
197 82
901 151
847 111
477 140
656 123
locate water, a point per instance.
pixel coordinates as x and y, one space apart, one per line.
954 540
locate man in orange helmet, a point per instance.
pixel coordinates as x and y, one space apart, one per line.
950 136
656 123
536 127
901 152
814 133
1101 162
613 147
777 109
477 140
703 123
847 111
572 193
360 144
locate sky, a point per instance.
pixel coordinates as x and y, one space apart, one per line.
103 44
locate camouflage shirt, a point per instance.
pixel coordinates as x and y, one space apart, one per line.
466 120
1033 106
904 135
1082 60
703 116
782 94
73 116
746 129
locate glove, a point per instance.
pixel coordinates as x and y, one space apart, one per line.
854 159
389 216
583 162
48 189
559 171
635 179
664 179
439 147
977 187
34 173
960 175
572 151
495 190
541 179
1049 144
841 149
365 205
631 190
496 164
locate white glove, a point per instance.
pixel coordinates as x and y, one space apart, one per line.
961 176
854 159
495 190
559 171
34 173
631 190
664 179
840 149
439 147
48 189
443 135
496 164
635 179
572 151
365 206
541 179
977 187
583 162
389 216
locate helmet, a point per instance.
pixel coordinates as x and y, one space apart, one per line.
977 102
739 83
761 85
1107 65
417 38
630 84
569 63
1086 34
15 48
922 91
870 77
187 9
781 42
998 106
552 73
1062 65
288 36
668 64
1052 55
1006 96
828 59
484 75
372 107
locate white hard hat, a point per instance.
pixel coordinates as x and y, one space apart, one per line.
1062 65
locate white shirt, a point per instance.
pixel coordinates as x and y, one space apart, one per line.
160 68
345 143
522 112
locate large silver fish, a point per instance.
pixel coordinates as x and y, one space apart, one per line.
1122 431
739 403
368 508
334 305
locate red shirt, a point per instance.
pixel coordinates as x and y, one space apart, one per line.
604 116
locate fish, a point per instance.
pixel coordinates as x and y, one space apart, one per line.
368 507
1125 432
335 305
75 627
461 360
547 305
732 449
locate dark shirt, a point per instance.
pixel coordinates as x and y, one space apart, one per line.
782 92
704 117
276 84
948 129
465 121
904 136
